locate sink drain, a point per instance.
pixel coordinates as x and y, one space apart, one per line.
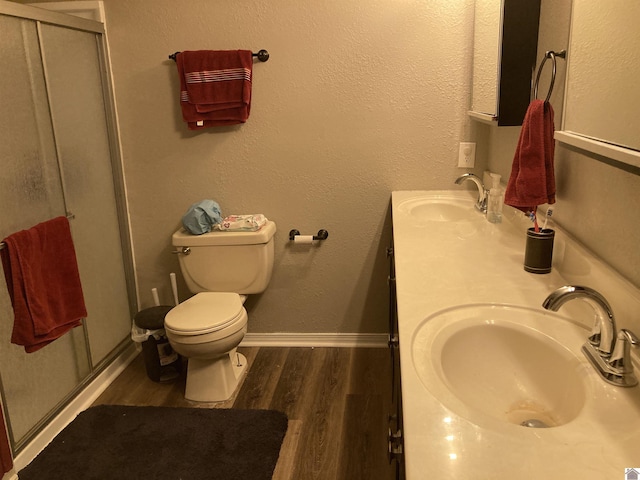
534 423
530 414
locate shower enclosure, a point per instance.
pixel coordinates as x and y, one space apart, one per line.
60 156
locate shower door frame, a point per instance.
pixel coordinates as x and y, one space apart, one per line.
41 16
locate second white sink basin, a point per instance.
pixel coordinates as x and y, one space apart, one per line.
441 206
503 363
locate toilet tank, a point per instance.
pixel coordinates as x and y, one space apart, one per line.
239 262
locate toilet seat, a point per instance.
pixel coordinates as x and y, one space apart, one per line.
205 313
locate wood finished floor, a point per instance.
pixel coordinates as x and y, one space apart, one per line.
337 401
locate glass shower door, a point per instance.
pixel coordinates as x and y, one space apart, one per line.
58 154
30 193
74 80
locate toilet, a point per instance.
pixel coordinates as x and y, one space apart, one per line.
221 269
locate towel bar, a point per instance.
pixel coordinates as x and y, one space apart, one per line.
69 216
262 55
552 55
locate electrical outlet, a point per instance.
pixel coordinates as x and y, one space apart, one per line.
467 155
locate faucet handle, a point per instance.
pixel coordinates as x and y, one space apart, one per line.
620 359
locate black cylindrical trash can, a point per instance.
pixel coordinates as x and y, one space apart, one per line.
161 362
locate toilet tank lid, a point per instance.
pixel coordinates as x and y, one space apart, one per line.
182 238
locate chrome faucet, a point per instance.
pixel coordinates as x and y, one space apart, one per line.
604 330
608 350
481 203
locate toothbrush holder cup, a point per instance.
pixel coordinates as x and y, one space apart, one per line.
538 254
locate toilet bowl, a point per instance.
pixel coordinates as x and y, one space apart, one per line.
221 268
206 329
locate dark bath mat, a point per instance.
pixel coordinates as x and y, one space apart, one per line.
117 442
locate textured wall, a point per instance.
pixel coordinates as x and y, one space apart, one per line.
359 98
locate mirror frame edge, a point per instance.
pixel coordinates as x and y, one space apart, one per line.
601 150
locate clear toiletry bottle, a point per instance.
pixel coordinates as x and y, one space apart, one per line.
495 201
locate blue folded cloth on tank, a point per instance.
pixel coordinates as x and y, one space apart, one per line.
201 217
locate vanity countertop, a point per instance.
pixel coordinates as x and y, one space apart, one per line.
441 264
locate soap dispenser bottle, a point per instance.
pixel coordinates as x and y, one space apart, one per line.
496 198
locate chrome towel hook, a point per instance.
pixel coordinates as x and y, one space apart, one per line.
552 55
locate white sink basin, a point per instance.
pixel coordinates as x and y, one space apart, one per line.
497 363
438 206
471 374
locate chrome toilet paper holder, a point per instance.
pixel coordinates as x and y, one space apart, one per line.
322 234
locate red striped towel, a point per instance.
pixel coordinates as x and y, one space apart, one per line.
215 87
42 277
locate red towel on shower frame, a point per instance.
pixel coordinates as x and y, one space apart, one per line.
43 281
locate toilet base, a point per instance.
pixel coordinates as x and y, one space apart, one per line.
214 380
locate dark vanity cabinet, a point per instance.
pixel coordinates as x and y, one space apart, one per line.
395 432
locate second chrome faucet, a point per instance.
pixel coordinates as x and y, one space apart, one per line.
481 203
608 350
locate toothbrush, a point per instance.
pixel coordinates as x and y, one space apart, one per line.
546 217
532 216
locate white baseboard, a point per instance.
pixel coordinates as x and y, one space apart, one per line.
80 403
369 340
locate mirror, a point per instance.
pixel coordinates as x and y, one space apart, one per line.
505 42
602 103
